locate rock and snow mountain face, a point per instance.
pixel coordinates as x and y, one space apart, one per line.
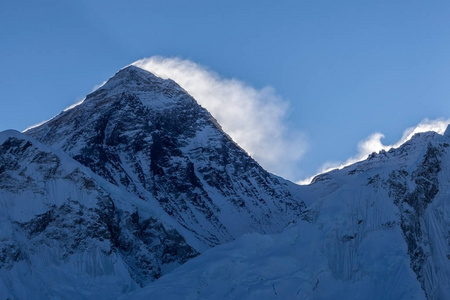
379 229
150 137
123 188
116 193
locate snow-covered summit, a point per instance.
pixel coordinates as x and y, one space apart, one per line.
137 79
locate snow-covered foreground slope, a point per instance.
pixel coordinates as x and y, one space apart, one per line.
288 266
379 229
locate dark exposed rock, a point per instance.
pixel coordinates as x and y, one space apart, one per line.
412 205
77 226
145 244
10 253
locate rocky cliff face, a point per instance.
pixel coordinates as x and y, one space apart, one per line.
407 191
423 223
404 190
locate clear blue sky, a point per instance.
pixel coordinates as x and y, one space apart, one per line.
348 68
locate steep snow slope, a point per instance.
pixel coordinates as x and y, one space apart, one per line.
149 136
67 234
379 229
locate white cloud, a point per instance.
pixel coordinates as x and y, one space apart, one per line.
255 119
373 144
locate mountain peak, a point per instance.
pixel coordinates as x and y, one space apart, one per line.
133 70
135 79
150 137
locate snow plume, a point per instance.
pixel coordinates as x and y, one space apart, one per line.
439 126
255 119
373 143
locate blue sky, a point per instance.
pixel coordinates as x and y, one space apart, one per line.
347 69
